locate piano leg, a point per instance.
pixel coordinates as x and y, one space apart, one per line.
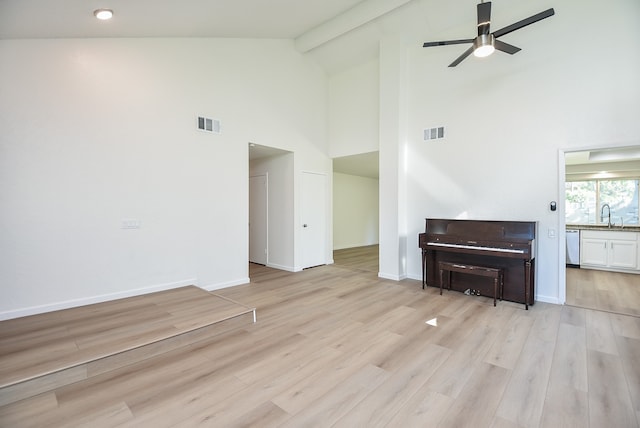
527 282
424 268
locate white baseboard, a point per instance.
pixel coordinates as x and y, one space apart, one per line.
391 277
33 310
221 285
282 267
547 299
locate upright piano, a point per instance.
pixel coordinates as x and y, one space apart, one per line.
509 245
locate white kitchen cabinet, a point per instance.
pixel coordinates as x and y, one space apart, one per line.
593 252
622 254
614 250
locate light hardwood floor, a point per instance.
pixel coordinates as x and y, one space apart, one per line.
45 351
605 291
360 258
338 346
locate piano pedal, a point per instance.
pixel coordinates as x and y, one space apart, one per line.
467 292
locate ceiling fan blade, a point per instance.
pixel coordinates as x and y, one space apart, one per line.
447 42
484 18
461 57
527 21
506 47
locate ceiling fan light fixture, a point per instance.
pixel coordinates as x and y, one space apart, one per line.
103 14
484 45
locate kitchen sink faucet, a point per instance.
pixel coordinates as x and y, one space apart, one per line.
608 214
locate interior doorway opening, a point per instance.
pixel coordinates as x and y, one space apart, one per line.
596 288
270 207
356 208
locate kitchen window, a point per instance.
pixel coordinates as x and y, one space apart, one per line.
587 200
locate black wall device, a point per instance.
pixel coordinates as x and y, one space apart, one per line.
552 205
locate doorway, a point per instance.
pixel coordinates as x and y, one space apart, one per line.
258 219
597 289
270 228
356 208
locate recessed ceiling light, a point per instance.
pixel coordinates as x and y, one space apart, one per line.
103 14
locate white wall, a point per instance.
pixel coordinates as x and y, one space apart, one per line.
508 117
393 141
355 211
353 110
93 131
280 208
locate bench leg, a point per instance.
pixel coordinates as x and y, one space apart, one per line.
441 271
495 289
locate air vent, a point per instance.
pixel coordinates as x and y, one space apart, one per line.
433 133
209 125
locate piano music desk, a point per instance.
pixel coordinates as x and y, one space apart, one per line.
495 273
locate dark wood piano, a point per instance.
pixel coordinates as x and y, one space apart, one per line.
509 245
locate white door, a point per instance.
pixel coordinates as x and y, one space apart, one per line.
313 219
258 220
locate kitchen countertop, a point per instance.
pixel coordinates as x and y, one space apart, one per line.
617 228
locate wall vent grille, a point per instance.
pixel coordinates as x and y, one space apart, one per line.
433 133
209 125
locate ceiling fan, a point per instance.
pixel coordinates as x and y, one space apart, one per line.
487 42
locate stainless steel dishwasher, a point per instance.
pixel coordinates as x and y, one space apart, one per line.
573 248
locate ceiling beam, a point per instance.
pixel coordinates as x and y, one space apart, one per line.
353 18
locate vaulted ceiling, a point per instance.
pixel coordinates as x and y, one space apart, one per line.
338 33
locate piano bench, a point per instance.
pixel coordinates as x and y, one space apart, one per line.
496 273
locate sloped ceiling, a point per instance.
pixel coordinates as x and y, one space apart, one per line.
363 165
337 33
166 18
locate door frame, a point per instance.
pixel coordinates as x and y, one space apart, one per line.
562 223
266 216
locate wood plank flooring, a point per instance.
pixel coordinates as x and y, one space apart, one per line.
338 346
61 347
605 291
362 258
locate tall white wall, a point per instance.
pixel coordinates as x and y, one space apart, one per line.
393 141
508 120
508 117
354 110
355 211
94 131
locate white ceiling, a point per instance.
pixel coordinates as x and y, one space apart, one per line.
363 165
256 151
166 18
331 30
615 162
603 156
336 33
